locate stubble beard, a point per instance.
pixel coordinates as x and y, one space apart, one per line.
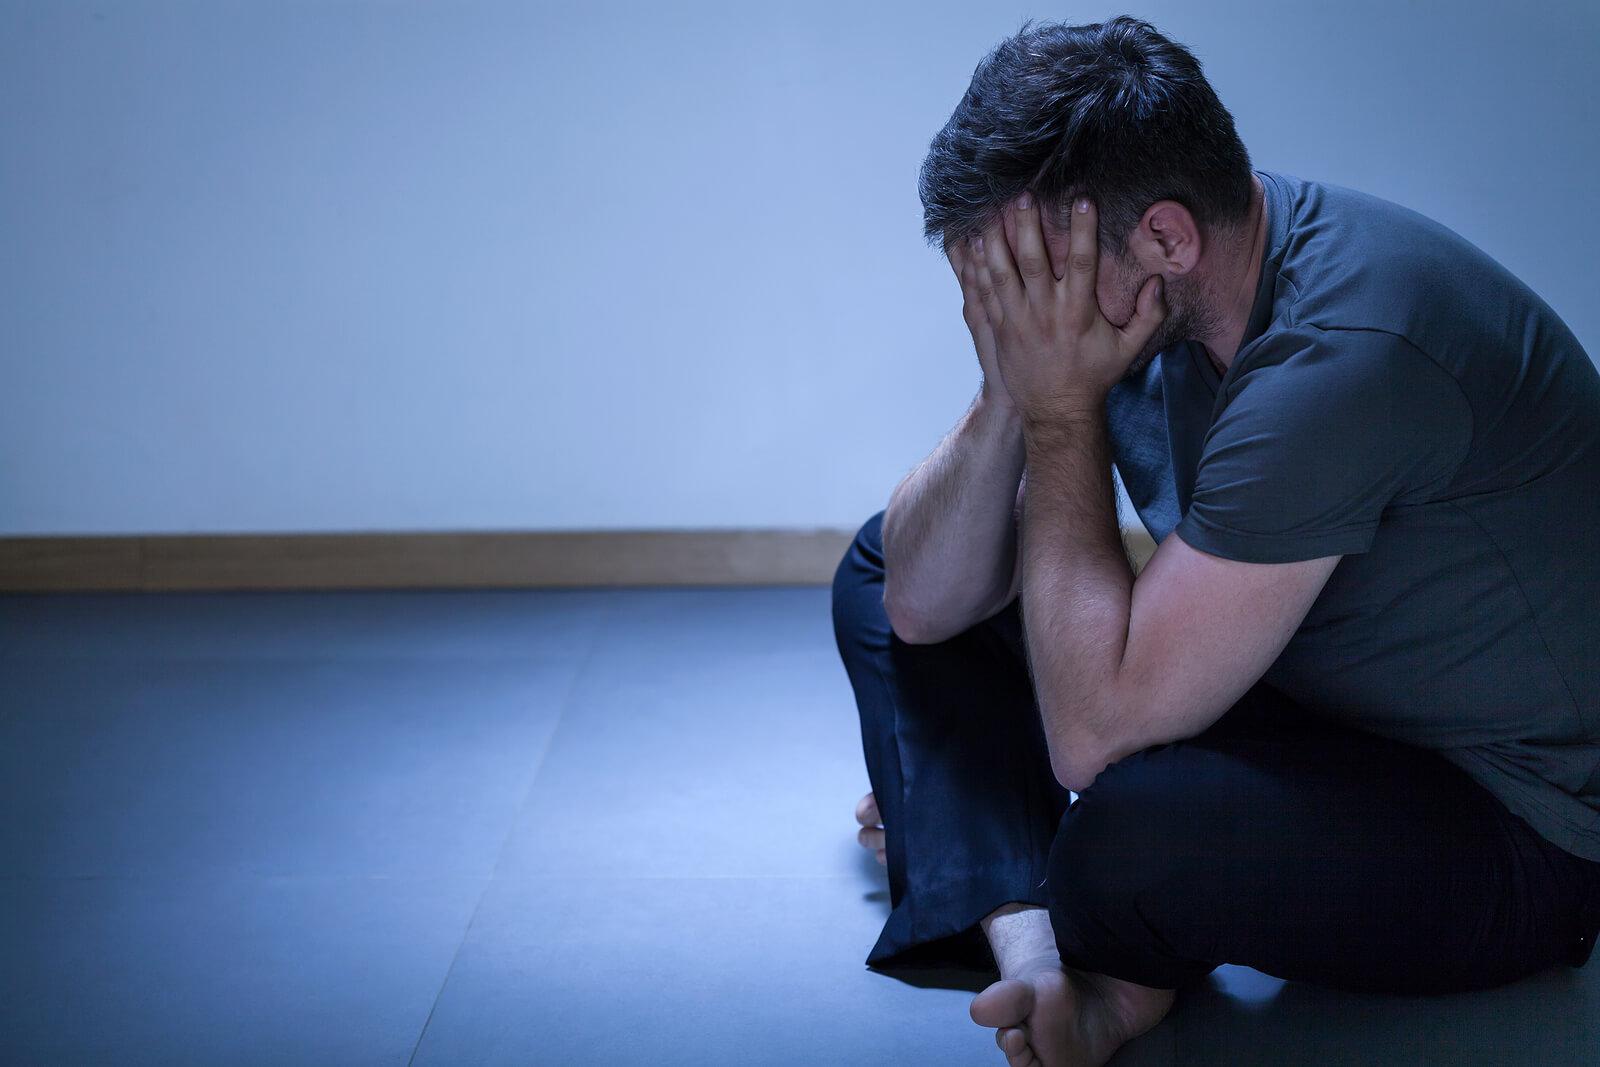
1187 319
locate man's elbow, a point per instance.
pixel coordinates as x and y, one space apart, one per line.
1078 755
1077 761
920 627
907 625
1078 776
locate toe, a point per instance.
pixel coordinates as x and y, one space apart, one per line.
1013 1041
1005 1003
867 811
1021 1055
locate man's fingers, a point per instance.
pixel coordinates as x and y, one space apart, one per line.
1149 311
996 254
978 264
961 263
975 314
964 260
1033 259
872 837
1083 260
998 283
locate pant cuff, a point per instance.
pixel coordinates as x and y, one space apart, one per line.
928 929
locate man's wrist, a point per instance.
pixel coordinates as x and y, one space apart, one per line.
1061 424
994 407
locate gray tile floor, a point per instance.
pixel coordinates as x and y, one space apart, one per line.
552 827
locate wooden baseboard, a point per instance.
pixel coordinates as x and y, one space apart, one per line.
493 559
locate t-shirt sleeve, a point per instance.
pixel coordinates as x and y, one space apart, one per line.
1317 438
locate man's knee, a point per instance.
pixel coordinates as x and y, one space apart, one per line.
1119 834
858 583
867 545
1126 872
1117 852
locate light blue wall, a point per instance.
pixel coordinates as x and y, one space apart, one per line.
289 266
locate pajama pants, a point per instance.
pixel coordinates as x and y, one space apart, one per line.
1276 839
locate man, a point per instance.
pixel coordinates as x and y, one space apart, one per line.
1344 725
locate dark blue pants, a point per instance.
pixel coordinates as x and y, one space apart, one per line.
1276 839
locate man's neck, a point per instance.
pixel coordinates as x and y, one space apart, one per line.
1240 286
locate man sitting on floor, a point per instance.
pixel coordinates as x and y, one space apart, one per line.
1344 726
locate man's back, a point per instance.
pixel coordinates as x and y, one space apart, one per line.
1402 399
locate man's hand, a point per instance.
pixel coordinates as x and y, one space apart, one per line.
994 387
1055 350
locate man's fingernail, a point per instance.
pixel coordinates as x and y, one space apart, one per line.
1024 202
1083 204
977 243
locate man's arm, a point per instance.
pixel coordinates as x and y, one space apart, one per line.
950 529
950 533
1120 663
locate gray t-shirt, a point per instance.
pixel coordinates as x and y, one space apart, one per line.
1401 398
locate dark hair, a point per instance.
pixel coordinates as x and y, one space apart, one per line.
1111 109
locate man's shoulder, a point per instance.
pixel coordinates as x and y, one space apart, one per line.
1317 204
1354 259
1353 262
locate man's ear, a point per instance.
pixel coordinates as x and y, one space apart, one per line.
1167 239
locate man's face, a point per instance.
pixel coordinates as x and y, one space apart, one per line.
1117 289
1186 317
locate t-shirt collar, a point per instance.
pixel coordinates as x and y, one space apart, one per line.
1276 205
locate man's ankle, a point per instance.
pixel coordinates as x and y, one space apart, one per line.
1021 938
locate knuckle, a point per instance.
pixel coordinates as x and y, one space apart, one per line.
1082 262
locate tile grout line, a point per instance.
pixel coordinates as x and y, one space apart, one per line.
561 711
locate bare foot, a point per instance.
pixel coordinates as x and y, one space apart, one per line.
1055 1016
871 833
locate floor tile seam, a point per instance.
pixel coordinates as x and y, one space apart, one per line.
159 877
561 711
516 876
243 876
357 658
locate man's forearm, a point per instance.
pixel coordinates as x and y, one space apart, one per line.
1077 587
949 531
